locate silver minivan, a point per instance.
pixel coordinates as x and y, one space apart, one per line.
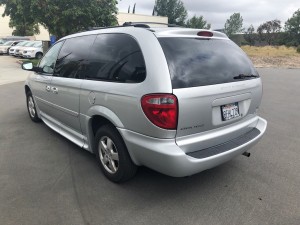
176 100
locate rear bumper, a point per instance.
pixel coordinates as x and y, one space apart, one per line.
165 156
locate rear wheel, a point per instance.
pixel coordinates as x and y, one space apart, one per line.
31 108
113 156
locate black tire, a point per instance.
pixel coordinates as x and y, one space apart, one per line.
31 108
38 55
124 167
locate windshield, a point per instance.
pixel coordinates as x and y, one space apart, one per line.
22 43
198 62
29 44
8 43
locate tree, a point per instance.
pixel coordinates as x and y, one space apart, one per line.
249 35
234 24
133 11
21 18
269 30
63 17
292 27
24 30
173 9
197 22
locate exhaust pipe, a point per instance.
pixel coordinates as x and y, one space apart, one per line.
247 154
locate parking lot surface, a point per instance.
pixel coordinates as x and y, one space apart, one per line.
9 70
45 179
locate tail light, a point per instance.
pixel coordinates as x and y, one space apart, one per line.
161 110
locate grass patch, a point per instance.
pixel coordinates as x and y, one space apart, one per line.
270 51
34 61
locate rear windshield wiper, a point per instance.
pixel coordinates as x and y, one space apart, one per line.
243 76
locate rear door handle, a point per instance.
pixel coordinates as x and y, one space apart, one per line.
54 90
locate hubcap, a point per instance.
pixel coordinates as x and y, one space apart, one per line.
108 154
31 107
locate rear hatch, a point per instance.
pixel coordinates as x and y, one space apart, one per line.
217 87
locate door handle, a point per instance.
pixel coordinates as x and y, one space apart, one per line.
48 88
54 90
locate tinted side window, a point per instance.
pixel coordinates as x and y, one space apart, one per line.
73 57
47 64
198 62
116 57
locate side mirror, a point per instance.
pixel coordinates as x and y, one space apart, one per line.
27 66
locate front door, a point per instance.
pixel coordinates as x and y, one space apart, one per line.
40 81
66 83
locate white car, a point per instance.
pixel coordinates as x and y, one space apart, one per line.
36 51
12 50
18 51
4 49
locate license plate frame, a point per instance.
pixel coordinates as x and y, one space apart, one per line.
230 111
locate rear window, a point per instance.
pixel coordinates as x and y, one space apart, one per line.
197 62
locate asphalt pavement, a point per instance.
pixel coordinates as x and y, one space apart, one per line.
9 70
45 179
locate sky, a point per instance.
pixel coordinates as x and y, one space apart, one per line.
216 12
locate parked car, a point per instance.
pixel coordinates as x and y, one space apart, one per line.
36 51
176 100
13 49
4 49
20 49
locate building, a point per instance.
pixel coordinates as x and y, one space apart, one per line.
5 30
129 17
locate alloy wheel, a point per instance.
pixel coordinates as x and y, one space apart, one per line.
31 106
108 155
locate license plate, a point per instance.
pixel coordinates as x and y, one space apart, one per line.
230 111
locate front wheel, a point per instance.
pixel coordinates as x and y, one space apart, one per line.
31 108
39 55
113 156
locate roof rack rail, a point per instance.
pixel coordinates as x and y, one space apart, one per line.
134 24
145 24
100 28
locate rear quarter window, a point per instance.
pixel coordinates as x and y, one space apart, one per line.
197 62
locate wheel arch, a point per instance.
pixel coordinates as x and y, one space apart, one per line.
97 117
27 89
